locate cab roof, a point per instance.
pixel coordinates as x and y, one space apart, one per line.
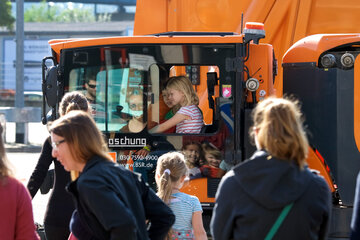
211 38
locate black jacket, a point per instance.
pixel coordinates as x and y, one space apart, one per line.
252 195
60 205
114 203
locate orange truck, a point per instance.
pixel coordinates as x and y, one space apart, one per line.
232 66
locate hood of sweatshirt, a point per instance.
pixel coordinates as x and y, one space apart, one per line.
271 182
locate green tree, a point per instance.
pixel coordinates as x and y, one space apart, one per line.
6 19
40 13
76 15
44 13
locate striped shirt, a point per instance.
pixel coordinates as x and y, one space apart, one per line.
183 206
192 125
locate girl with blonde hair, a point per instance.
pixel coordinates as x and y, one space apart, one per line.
171 172
274 183
188 119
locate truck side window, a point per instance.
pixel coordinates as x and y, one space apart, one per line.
163 109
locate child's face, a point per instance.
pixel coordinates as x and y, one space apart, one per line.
176 96
212 161
192 153
166 98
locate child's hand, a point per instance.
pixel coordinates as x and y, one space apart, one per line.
142 152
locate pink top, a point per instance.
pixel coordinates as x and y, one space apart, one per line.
192 125
16 215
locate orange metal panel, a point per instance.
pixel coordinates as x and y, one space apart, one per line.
198 187
260 69
150 17
310 48
286 21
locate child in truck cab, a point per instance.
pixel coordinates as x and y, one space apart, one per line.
172 109
194 157
214 158
188 119
171 172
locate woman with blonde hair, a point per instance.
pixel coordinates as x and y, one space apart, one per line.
189 118
273 194
171 172
17 220
112 202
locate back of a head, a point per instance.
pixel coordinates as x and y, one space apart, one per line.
170 168
81 133
279 126
183 84
73 101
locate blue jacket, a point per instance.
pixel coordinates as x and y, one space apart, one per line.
114 203
251 196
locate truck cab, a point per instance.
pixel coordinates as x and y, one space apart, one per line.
229 72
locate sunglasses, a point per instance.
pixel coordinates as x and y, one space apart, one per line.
92 85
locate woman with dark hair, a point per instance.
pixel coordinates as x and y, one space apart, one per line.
273 194
112 202
60 205
17 220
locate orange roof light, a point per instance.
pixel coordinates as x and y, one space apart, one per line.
254 26
254 31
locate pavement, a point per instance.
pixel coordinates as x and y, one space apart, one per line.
22 148
37 133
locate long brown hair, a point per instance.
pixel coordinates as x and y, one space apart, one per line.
5 169
278 124
69 102
82 135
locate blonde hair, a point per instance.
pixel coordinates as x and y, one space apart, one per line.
5 169
73 101
82 136
183 84
175 163
279 126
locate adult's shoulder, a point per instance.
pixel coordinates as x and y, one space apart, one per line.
228 181
317 179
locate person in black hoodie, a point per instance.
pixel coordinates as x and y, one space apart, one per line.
60 205
254 194
111 201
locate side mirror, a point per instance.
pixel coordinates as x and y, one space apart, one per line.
51 87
